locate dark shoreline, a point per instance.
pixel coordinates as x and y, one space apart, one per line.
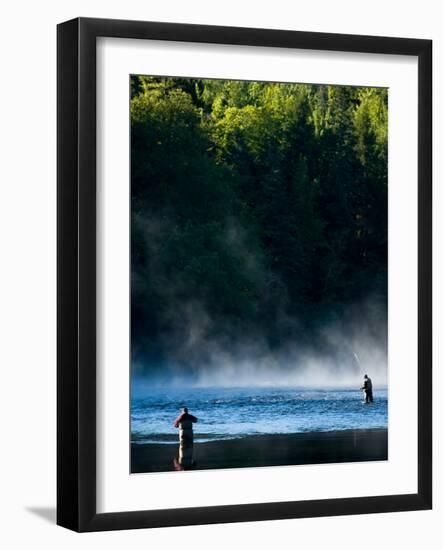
267 450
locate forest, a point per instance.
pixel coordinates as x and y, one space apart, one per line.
258 213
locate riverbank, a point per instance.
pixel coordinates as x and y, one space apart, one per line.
265 450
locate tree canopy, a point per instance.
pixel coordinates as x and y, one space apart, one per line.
256 208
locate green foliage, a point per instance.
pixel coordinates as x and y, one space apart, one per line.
255 200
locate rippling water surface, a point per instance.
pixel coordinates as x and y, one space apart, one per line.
226 413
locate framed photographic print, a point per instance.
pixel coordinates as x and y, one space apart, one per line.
244 274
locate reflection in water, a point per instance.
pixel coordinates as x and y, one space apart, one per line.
185 460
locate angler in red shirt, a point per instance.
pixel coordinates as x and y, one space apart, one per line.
184 423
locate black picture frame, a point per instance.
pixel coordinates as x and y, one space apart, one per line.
76 266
